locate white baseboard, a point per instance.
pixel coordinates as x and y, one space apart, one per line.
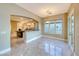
75 54
5 51
54 37
35 38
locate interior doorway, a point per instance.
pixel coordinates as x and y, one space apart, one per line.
15 40
19 26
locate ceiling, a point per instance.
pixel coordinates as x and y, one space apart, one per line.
45 9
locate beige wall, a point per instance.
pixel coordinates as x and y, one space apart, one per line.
13 26
76 14
64 19
76 18
65 26
76 6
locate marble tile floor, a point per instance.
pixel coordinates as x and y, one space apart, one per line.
41 47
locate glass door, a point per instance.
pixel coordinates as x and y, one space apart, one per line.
71 31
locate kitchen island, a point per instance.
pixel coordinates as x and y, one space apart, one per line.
31 35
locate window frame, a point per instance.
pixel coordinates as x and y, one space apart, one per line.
55 21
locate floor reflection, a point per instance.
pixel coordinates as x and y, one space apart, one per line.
52 50
41 47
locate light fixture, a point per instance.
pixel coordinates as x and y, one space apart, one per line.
47 22
49 11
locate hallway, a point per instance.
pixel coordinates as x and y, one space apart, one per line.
41 47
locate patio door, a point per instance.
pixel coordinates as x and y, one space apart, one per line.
71 30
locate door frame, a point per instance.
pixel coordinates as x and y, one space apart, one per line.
70 18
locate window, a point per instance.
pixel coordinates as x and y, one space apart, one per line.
53 27
58 27
46 27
